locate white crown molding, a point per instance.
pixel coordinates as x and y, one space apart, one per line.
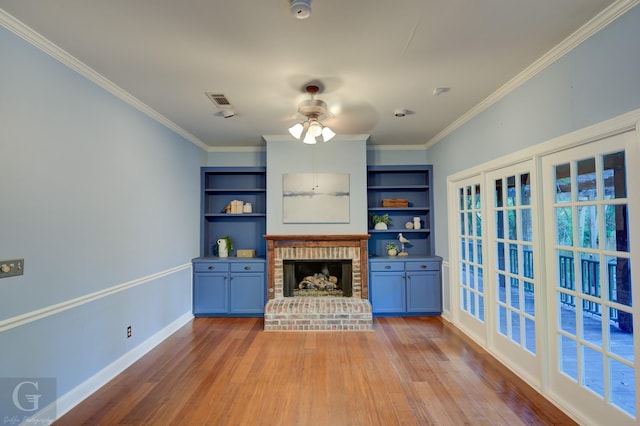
236 149
420 147
604 18
28 34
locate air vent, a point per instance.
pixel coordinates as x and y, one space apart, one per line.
219 100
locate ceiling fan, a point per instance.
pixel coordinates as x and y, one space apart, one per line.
311 130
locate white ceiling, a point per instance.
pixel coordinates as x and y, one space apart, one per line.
372 56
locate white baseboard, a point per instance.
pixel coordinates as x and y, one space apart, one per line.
75 396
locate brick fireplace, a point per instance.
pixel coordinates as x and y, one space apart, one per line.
320 312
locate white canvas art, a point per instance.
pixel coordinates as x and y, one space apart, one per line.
315 198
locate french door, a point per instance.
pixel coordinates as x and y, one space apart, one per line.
590 195
470 269
513 259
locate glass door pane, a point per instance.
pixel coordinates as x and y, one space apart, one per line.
469 240
590 270
515 284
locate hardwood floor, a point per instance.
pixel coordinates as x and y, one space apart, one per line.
228 371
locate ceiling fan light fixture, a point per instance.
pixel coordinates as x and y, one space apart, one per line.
296 130
308 139
311 129
327 134
315 128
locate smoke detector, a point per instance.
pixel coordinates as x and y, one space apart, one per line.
301 9
399 112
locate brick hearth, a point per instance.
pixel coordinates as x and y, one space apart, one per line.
317 313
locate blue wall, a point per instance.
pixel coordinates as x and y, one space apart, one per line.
598 80
340 155
254 157
95 194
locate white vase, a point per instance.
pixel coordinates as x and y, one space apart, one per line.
392 252
222 248
416 223
380 225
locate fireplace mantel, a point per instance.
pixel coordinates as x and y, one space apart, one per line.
311 242
318 237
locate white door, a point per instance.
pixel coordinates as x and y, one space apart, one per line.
590 197
470 280
513 256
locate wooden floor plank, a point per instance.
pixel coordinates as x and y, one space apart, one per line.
228 371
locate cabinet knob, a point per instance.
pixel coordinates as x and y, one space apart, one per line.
387 266
247 268
423 266
212 267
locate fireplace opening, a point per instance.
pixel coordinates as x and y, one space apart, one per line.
317 278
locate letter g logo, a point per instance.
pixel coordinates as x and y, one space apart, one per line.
33 398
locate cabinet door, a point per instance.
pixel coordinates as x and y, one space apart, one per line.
423 292
388 292
210 294
247 293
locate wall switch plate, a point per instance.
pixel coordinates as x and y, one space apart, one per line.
11 268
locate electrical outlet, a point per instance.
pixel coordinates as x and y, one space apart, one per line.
11 268
128 332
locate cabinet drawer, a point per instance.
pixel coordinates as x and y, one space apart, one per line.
387 266
247 267
423 266
211 267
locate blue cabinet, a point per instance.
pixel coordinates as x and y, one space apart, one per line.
424 288
246 288
405 286
229 287
387 287
210 293
410 284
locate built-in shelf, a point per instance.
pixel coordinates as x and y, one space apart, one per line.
410 284
412 183
220 186
229 286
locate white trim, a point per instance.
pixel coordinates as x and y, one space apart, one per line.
19 320
78 394
396 148
31 36
446 283
604 18
236 149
